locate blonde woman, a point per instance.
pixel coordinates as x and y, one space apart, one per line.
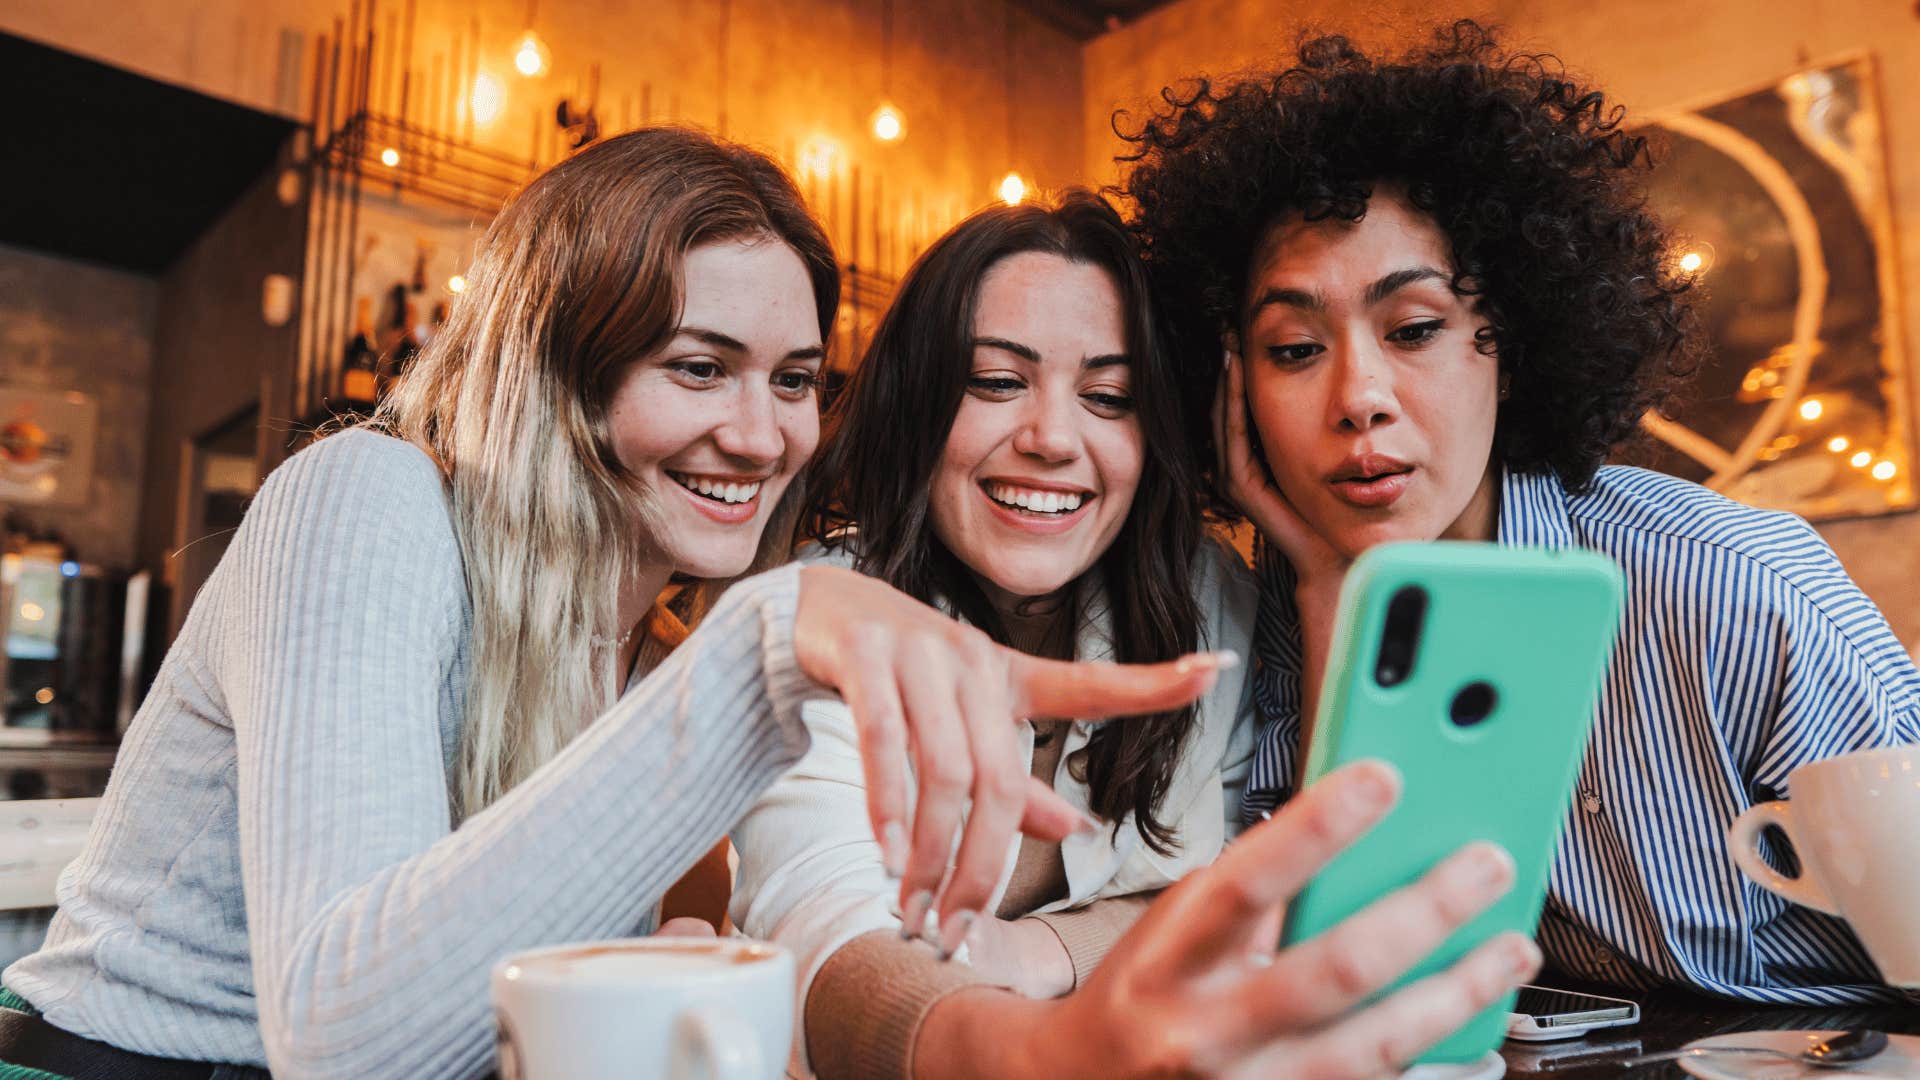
386 748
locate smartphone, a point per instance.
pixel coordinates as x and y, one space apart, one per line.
1472 668
1541 1014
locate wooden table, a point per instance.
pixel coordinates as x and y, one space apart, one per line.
1670 1020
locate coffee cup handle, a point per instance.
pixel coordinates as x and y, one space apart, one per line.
1743 838
712 1043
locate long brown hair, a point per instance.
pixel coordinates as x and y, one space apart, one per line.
887 431
578 276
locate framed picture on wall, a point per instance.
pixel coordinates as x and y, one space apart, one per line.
1778 198
46 445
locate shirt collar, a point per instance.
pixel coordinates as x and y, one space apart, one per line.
1533 511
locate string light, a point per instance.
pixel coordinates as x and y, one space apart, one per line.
1012 189
390 157
1838 444
456 284
530 55
1884 470
1691 262
1811 409
889 125
1860 460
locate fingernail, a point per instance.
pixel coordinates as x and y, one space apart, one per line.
913 917
1266 815
1523 959
1090 824
1491 867
1372 789
954 934
1223 660
893 849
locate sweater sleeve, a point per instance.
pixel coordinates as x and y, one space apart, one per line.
854 1033
1089 933
373 924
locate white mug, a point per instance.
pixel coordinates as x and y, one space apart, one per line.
1854 821
680 1008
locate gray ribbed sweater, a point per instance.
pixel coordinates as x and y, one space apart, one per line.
274 878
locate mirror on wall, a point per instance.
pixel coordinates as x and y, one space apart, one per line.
1779 199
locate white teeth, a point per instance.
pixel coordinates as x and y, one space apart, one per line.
1039 502
718 490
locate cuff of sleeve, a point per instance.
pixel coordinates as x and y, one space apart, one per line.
852 1031
787 686
1089 934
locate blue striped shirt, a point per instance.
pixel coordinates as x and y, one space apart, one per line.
1745 650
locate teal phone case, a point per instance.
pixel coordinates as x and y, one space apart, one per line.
1537 627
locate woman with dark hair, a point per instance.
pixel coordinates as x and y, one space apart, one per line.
1010 451
1443 302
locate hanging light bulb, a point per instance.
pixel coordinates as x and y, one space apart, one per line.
530 55
889 123
1012 189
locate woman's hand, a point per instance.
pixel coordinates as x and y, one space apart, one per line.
1196 989
1023 955
920 684
1250 485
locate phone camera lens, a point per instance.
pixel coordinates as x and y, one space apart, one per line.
1473 704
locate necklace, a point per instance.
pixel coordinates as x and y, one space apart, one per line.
602 642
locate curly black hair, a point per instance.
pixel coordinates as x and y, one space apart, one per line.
1531 175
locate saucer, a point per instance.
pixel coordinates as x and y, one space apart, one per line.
1490 1067
1899 1061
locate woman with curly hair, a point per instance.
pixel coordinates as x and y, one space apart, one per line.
1443 302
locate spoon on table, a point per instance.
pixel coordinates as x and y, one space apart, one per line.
1841 1051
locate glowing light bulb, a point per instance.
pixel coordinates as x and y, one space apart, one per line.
456 284
1811 409
530 55
1884 470
1859 460
1691 262
1838 443
1012 189
390 157
889 123
488 97
44 695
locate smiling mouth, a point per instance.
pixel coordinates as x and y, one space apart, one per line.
1035 502
728 492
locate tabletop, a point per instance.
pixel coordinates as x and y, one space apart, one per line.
1670 1020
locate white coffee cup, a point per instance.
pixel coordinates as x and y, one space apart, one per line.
1854 821
679 1008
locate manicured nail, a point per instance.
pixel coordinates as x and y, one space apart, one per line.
893 849
954 934
1266 815
1372 789
913 918
1210 662
1523 959
1490 866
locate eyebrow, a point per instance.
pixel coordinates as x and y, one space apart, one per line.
1026 352
1376 292
723 341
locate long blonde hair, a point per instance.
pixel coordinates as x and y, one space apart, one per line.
578 276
